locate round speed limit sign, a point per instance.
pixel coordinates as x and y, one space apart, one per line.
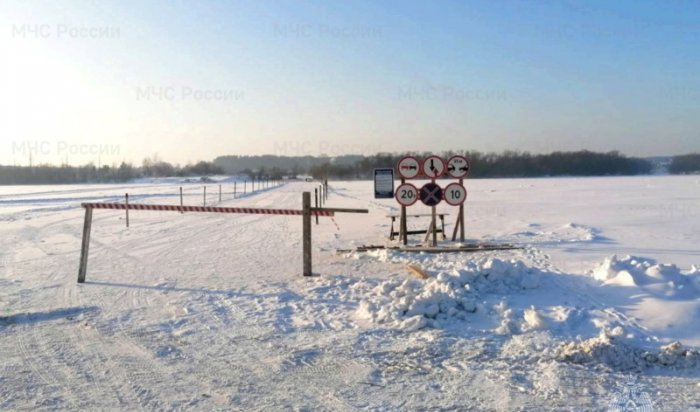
455 194
406 194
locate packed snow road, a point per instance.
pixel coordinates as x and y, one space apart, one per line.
206 311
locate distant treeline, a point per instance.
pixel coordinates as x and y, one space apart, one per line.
506 164
65 174
689 163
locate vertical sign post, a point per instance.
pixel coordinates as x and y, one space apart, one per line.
403 223
127 209
461 216
458 168
455 195
306 232
431 194
408 168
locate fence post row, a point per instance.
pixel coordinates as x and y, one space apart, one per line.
316 204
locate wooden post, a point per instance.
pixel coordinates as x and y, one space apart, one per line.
127 209
457 225
403 222
433 227
205 195
219 193
84 249
181 202
461 216
316 202
306 232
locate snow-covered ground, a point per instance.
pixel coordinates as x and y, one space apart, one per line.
209 311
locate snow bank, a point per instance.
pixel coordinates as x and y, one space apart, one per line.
413 304
611 348
665 280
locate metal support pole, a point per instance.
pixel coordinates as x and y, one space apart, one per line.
181 202
316 202
219 193
252 184
127 209
306 232
245 183
234 190
84 249
205 195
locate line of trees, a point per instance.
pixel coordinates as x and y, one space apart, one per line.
65 174
506 164
684 164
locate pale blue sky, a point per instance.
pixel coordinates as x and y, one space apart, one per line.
193 80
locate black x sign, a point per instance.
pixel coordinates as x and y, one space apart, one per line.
431 194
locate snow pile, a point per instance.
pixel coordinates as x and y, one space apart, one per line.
611 348
414 304
665 280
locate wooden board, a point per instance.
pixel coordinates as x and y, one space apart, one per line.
417 271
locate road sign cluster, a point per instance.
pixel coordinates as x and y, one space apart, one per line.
431 193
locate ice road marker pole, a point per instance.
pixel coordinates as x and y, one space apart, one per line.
84 249
306 232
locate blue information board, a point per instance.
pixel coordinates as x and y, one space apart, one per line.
384 183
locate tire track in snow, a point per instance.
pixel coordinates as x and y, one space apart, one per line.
54 358
137 371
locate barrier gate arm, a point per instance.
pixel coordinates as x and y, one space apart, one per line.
306 213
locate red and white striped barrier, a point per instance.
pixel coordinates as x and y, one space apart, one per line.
210 209
306 213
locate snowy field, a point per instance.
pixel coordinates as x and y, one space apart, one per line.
210 312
